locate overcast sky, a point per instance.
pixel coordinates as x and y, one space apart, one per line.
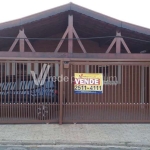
132 11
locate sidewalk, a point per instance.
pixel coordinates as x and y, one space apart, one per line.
76 134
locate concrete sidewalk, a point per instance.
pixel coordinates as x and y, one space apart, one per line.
135 135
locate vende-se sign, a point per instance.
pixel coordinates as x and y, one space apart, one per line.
88 83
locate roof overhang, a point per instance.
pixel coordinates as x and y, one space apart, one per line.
79 9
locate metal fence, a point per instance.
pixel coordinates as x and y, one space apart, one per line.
125 95
21 100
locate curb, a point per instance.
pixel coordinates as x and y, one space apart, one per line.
69 147
71 143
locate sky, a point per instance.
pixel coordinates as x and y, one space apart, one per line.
132 11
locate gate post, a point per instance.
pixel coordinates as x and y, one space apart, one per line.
61 95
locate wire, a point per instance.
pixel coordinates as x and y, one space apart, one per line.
89 38
57 38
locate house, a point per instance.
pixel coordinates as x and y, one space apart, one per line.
66 40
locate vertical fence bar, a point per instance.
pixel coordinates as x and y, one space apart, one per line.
122 85
29 88
61 95
109 95
71 83
44 106
146 93
75 95
106 97
125 95
112 104
132 86
9 102
119 89
19 88
52 104
149 84
66 103
148 102
68 89
1 104
77 100
115 84
142 85
135 87
7 86
53 101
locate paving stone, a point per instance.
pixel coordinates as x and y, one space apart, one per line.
91 134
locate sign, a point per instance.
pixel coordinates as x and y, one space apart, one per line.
88 83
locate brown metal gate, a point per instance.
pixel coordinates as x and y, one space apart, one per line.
125 95
21 100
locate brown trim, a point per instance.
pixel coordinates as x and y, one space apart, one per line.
62 40
108 63
21 42
79 41
70 31
29 44
118 43
111 45
125 45
75 56
70 34
14 43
